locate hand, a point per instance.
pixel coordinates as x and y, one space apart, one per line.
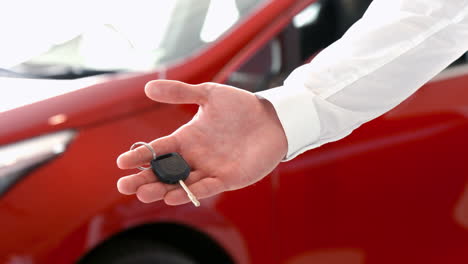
234 140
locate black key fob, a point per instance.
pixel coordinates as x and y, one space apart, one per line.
170 168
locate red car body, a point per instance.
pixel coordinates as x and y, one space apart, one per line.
395 191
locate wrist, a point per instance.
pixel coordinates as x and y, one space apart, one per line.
295 109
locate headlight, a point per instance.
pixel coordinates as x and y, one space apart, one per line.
17 159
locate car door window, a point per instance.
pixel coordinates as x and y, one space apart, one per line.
309 31
256 73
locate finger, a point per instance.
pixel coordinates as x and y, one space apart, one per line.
203 188
130 184
193 178
175 92
155 191
152 192
142 155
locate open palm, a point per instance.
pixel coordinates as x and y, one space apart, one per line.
234 140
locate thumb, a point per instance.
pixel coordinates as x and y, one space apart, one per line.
175 92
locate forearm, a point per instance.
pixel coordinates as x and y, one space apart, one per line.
392 51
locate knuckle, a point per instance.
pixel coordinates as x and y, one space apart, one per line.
205 90
145 195
140 154
147 177
143 198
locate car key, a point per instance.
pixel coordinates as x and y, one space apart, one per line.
171 168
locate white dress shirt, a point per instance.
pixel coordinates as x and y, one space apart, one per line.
396 47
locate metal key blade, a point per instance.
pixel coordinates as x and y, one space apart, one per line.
189 194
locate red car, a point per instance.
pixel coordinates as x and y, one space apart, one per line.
395 191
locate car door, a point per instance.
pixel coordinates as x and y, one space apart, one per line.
392 192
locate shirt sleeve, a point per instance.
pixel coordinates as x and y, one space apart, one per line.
394 49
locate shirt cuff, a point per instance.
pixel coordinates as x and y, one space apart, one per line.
297 114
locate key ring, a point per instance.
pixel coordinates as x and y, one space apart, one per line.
148 146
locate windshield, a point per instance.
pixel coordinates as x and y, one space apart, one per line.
111 35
